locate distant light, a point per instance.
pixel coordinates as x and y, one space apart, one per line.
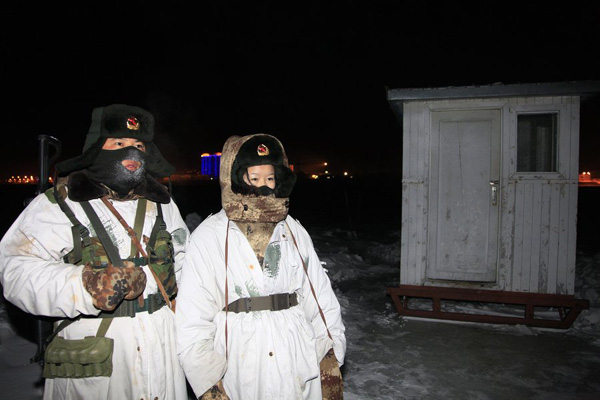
345 173
325 164
326 172
210 164
204 155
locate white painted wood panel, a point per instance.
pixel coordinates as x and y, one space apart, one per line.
537 233
536 236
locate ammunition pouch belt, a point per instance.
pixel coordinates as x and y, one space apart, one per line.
128 308
80 358
274 302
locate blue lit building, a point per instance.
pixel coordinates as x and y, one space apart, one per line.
211 164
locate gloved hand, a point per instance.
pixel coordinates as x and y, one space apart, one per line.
332 384
109 286
217 392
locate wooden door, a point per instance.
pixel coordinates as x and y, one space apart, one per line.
464 197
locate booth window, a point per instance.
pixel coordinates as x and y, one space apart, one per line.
537 137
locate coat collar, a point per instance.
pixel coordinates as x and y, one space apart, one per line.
83 188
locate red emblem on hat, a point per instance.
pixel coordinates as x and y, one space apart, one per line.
133 123
262 150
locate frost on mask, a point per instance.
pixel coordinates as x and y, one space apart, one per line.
109 168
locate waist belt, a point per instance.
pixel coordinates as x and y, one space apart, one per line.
274 302
128 308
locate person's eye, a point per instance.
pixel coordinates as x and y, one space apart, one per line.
118 143
140 146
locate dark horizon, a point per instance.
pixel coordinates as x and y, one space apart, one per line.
315 76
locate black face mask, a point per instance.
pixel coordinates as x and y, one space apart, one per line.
107 169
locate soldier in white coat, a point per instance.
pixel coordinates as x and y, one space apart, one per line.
102 251
257 317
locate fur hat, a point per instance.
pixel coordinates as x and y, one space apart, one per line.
262 149
119 121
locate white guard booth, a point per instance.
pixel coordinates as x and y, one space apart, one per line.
489 199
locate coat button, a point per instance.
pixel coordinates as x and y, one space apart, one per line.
271 354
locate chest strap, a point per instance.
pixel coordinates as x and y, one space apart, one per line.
274 302
111 250
80 233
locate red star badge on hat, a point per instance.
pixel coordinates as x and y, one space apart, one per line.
262 150
133 124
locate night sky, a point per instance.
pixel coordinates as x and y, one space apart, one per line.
312 74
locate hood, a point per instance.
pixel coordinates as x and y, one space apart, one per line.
241 203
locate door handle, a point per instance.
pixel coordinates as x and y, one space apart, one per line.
494 187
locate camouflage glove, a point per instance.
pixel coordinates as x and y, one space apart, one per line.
110 285
216 392
332 384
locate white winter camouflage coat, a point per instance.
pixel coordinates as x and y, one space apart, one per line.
35 278
270 354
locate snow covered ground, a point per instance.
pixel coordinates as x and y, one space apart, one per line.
390 357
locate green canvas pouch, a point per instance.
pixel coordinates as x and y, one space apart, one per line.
80 358
160 259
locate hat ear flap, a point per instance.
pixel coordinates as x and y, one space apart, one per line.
157 166
285 180
82 162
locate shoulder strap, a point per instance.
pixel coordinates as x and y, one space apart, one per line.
102 329
140 215
312 289
79 231
63 324
109 246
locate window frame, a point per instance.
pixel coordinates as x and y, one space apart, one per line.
562 135
553 146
